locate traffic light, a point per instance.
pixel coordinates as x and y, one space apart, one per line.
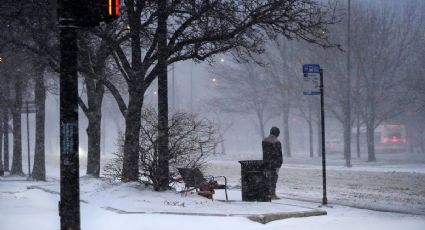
101 11
111 10
88 13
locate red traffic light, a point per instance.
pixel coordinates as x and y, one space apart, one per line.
87 13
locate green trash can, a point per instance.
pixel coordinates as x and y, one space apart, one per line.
256 181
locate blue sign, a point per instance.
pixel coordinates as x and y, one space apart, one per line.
311 79
311 68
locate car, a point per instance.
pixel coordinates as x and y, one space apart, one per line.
391 138
334 145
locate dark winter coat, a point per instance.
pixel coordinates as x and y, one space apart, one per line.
272 151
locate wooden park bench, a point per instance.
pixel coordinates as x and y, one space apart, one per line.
194 180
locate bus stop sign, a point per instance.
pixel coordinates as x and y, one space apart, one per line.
311 79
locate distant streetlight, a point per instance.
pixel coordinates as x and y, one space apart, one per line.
155 93
214 80
222 60
1 59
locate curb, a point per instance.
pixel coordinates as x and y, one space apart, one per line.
260 218
266 218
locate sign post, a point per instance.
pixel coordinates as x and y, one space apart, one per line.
313 85
28 108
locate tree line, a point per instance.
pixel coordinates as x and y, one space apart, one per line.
372 77
124 58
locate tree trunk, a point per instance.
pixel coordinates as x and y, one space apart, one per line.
39 169
370 132
262 132
6 137
261 123
136 90
286 140
130 169
163 136
95 94
347 133
358 137
223 146
410 134
1 149
310 137
93 144
347 143
17 138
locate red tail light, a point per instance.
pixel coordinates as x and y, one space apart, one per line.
385 139
395 139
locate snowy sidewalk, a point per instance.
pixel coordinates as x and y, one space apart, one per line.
133 198
36 209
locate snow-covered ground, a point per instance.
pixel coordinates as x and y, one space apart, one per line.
396 182
391 185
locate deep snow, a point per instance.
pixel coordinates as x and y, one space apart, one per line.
388 185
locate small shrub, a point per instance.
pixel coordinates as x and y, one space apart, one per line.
191 141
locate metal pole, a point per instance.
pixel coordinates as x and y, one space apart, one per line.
28 142
69 204
322 118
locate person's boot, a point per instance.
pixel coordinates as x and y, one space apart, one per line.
275 197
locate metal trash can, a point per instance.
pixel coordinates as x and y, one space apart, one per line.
256 180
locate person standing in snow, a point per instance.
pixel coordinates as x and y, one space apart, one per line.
272 153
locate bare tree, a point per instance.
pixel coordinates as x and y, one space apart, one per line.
30 29
389 32
39 167
335 87
199 30
245 89
283 59
223 121
192 140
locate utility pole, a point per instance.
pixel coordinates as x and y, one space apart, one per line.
73 14
69 204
